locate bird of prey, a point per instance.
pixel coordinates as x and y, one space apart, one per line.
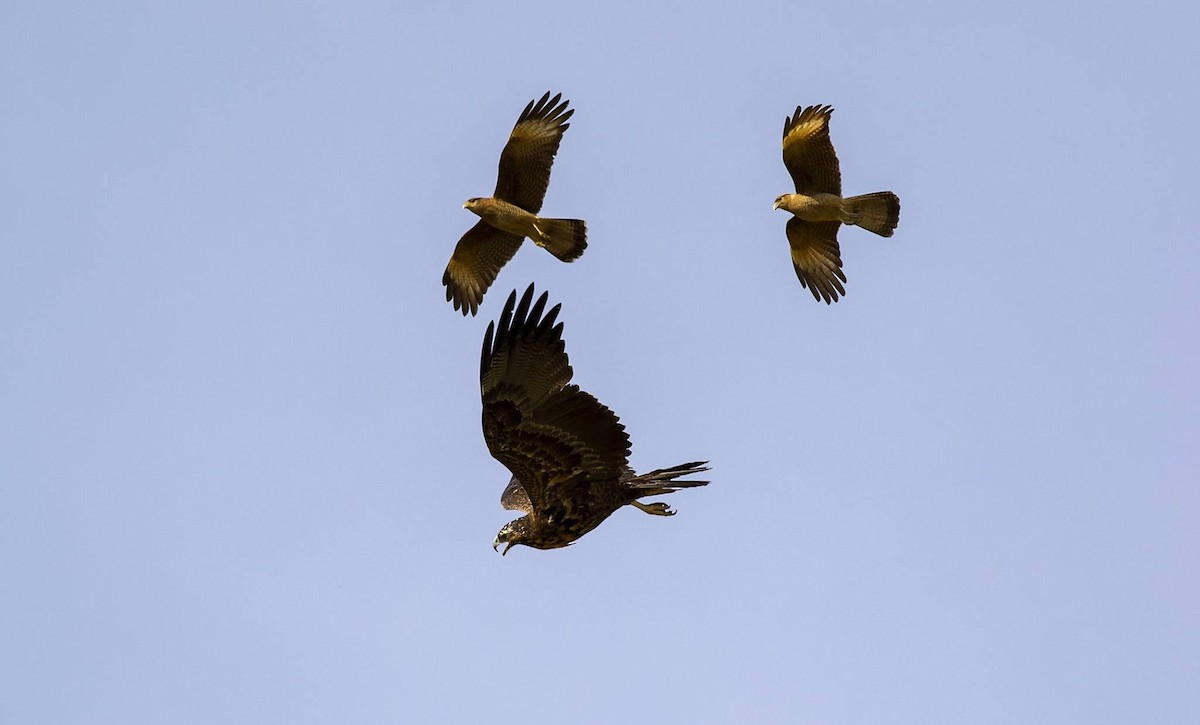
568 453
818 207
510 213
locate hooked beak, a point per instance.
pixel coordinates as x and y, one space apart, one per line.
464 205
775 205
496 547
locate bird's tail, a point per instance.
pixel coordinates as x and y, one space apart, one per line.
878 212
564 238
663 480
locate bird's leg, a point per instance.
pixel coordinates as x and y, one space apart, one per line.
539 235
654 509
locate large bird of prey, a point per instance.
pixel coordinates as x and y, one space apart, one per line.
818 206
510 213
568 453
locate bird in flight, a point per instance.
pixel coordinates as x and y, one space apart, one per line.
818 208
511 213
567 452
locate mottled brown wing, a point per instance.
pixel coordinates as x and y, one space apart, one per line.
808 153
514 497
817 258
546 432
527 157
476 261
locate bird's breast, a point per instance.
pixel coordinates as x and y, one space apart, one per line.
816 208
505 216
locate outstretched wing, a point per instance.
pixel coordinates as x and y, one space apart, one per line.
527 157
816 257
808 153
549 434
476 261
514 497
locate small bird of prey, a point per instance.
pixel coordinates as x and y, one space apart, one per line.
568 453
511 213
818 207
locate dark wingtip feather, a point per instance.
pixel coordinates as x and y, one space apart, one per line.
485 358
505 317
535 314
547 323
525 113
519 317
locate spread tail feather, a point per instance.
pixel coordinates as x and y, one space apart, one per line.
878 212
663 480
564 238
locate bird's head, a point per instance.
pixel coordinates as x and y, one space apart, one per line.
780 201
513 533
471 203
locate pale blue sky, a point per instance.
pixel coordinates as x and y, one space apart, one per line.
241 473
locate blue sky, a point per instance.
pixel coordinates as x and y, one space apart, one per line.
241 472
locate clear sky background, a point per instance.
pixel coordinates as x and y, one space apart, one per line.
242 478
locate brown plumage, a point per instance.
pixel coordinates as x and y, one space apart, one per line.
818 206
567 452
510 214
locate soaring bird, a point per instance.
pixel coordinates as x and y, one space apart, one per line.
511 213
568 453
818 207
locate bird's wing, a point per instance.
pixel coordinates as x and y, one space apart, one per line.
514 497
476 261
547 433
816 256
808 153
527 157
